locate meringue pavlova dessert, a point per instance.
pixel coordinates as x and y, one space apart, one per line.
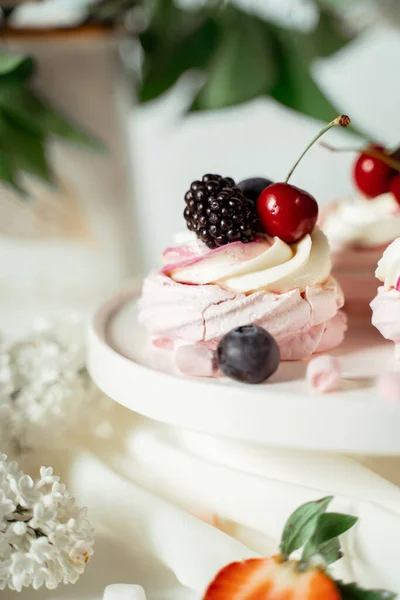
254 257
359 229
386 305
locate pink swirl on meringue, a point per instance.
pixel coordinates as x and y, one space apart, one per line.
267 264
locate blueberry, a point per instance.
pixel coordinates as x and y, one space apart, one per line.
249 354
253 187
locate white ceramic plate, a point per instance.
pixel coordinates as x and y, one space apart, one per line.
281 412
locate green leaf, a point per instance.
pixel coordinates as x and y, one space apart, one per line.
14 69
8 174
165 63
328 37
328 527
108 11
32 115
331 551
301 525
351 591
26 152
295 88
243 67
10 62
339 4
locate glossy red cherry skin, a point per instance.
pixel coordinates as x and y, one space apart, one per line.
371 175
287 212
394 187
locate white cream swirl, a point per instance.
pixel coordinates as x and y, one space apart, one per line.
388 270
267 264
363 222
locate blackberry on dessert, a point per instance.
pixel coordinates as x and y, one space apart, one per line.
218 212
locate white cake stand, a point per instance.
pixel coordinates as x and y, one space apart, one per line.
281 412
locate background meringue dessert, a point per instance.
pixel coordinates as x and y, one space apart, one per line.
360 228
386 305
254 257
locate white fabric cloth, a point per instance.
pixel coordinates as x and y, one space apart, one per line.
150 494
248 492
124 592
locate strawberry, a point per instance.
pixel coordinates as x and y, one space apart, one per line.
279 577
271 579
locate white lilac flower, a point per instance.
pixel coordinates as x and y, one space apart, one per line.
7 507
45 538
45 389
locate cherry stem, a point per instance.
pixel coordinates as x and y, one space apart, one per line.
342 121
385 158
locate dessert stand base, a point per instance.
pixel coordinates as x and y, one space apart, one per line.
281 413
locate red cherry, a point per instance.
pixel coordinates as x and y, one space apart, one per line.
394 187
287 212
371 174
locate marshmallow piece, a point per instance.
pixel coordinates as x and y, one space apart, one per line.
388 386
197 361
323 374
122 591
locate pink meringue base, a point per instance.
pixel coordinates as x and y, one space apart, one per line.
197 360
386 315
320 338
354 268
190 320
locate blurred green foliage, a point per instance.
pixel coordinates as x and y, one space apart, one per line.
240 56
26 122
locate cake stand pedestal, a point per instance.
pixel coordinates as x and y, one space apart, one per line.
281 413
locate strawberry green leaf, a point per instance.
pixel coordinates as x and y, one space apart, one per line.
329 526
301 525
351 591
330 551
